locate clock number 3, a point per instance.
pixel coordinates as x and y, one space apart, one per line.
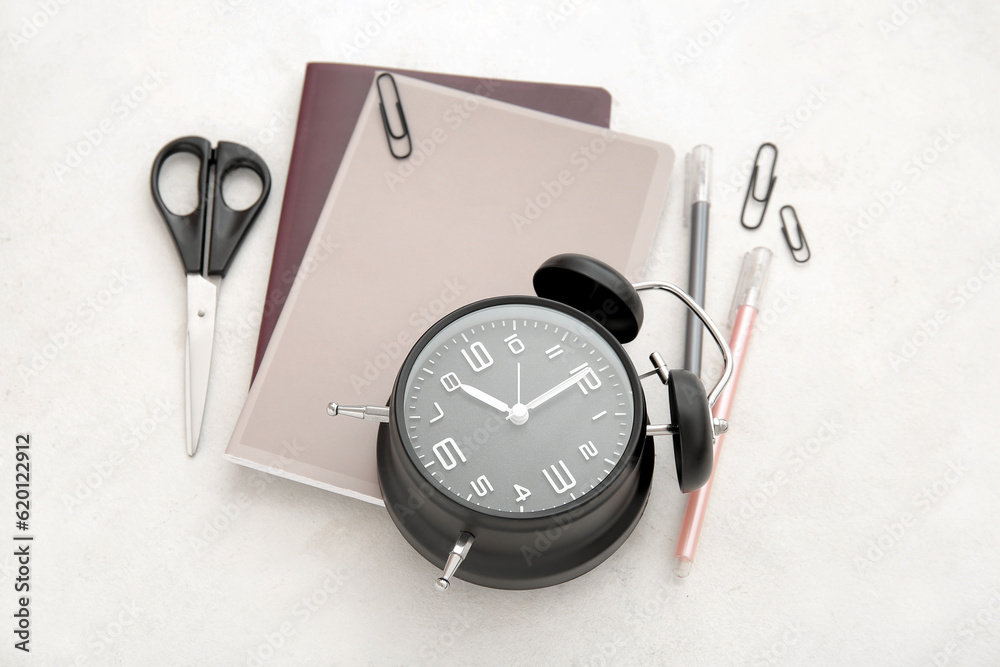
560 484
480 358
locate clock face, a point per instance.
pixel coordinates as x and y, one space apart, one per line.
517 408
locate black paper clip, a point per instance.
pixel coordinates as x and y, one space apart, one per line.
802 244
753 184
389 134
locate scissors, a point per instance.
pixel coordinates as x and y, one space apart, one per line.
207 251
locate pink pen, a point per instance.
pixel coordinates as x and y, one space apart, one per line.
746 302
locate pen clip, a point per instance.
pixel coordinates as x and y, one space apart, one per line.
389 134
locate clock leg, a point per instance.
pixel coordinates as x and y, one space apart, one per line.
455 558
370 413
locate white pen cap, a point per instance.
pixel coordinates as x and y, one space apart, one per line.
750 287
699 175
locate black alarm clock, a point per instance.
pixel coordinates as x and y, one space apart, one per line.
516 444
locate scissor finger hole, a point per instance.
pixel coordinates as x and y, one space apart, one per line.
178 183
241 188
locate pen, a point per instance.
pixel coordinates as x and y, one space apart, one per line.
699 175
746 303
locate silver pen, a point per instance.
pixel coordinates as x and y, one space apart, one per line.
699 176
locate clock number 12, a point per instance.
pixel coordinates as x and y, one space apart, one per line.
590 380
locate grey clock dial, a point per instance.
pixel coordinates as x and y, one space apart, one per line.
517 408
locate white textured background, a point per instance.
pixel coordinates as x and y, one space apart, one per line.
855 518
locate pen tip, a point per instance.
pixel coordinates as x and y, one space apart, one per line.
682 567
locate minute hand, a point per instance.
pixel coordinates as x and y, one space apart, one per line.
558 389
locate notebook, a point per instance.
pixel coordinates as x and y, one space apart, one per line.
332 97
485 198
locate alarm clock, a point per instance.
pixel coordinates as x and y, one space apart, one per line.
515 450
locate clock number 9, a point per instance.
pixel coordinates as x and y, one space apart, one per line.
482 360
442 451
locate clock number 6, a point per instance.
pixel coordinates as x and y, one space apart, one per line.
442 451
482 360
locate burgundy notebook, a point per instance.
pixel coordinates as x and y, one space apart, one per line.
332 99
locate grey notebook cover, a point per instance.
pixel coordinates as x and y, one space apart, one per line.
490 192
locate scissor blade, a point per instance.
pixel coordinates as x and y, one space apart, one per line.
202 298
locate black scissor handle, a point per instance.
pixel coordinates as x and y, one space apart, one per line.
228 225
188 230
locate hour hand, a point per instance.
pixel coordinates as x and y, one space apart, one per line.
480 395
